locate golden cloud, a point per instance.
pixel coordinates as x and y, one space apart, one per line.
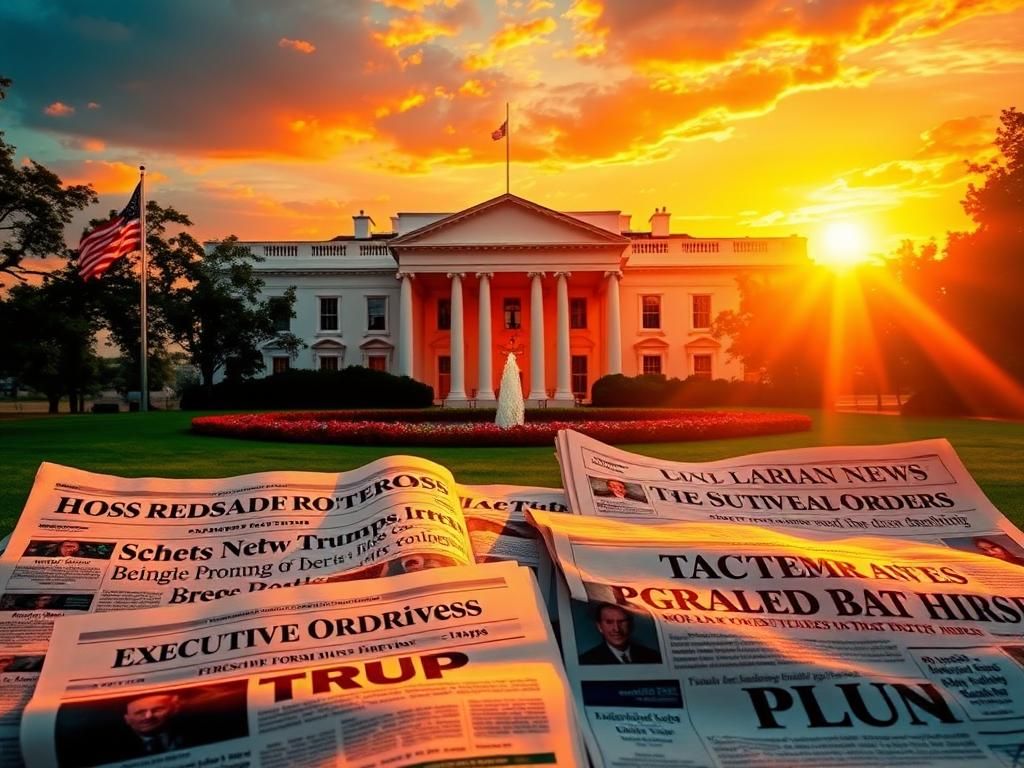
404 31
940 163
473 87
515 35
302 46
588 31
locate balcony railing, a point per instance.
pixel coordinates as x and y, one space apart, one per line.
324 250
781 249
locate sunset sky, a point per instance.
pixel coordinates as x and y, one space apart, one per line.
279 120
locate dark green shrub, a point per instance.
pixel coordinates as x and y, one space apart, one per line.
352 387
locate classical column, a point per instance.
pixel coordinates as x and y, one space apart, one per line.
614 324
537 390
484 383
406 364
458 341
563 388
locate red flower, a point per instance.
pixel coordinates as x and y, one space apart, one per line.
475 428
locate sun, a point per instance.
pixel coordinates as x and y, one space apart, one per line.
844 245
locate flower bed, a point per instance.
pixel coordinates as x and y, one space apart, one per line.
476 427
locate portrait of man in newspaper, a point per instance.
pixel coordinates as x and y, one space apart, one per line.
614 488
11 663
45 601
93 550
618 642
104 731
997 545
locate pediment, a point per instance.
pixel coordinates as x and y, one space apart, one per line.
507 221
328 344
704 342
376 343
652 343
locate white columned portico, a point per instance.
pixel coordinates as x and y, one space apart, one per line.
405 325
614 340
537 378
485 385
458 341
563 387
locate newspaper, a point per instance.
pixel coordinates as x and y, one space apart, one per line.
714 645
452 668
918 490
496 520
95 543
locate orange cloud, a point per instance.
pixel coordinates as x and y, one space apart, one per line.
965 137
302 46
84 144
59 109
110 176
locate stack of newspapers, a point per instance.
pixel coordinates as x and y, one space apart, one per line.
841 606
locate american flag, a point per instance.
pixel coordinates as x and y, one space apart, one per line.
500 133
112 240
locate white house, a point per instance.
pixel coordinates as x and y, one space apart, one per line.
443 297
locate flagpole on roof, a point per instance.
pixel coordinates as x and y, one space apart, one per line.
508 139
143 314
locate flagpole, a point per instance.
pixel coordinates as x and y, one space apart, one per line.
143 313
508 139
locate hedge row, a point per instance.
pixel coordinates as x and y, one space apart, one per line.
353 387
657 391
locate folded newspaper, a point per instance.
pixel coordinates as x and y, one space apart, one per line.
456 668
695 644
92 543
919 491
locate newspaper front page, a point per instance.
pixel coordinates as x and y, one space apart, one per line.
918 490
456 668
712 645
95 543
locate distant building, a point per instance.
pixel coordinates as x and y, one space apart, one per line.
444 297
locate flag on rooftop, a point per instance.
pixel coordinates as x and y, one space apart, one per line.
500 133
112 240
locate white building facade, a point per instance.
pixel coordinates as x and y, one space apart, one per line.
444 297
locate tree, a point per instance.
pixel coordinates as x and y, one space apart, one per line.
211 305
781 330
984 269
34 209
53 349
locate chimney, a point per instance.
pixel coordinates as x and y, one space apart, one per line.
394 224
362 225
660 222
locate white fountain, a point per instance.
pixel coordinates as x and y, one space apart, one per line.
510 396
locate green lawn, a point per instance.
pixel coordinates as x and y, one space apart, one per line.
160 444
